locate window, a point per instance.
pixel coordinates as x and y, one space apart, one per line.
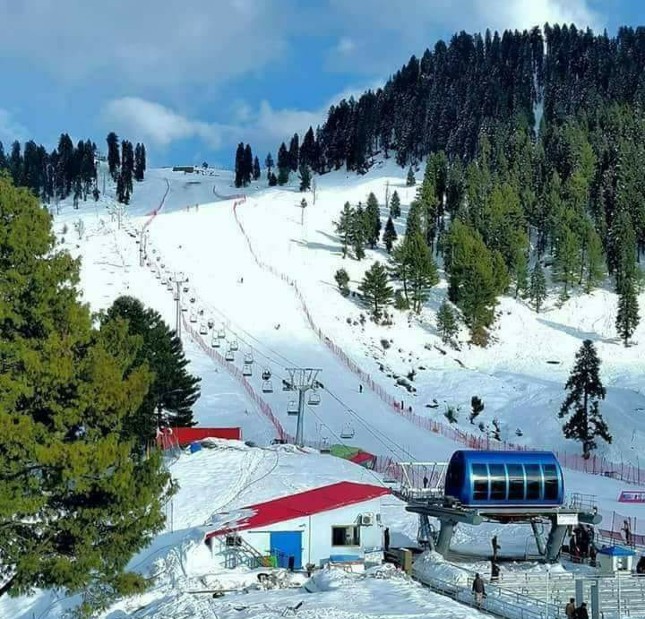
515 482
550 482
497 482
533 482
480 482
346 536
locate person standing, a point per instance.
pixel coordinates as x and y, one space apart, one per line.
582 612
386 538
478 590
628 532
496 547
570 609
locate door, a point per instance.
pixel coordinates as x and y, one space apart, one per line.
285 544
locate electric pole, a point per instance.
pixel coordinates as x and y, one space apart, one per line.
302 380
179 279
143 246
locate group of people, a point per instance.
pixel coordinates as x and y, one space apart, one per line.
581 544
572 612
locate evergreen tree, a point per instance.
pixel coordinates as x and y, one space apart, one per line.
283 165
342 279
521 275
139 162
395 205
627 318
247 170
376 290
537 289
567 259
413 221
294 153
357 233
239 165
410 180
127 167
256 169
447 323
273 180
305 178
594 270
113 156
268 164
422 272
3 158
77 502
400 269
173 391
585 391
372 220
389 235
344 227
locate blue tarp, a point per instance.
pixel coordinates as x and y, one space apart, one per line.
617 551
195 447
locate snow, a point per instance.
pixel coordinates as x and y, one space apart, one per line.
519 383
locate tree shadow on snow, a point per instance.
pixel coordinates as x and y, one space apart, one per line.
578 333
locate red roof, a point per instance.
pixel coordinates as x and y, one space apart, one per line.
362 456
171 437
305 503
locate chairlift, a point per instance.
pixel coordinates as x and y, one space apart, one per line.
163 280
215 342
325 447
266 375
210 323
221 334
314 398
229 356
157 274
185 288
248 357
292 407
192 299
234 345
170 286
175 296
247 369
184 307
267 386
202 329
193 317
163 266
347 431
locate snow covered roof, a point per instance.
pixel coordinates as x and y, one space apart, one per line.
616 551
305 503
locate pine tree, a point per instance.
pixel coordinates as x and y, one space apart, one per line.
422 271
627 318
273 180
410 180
594 268
567 258
344 227
395 205
294 153
537 289
521 275
357 232
239 165
413 221
173 391
268 164
372 220
376 290
447 323
305 178
256 169
247 169
342 279
127 167
113 156
585 390
76 501
389 235
139 162
400 269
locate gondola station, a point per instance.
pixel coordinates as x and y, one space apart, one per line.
501 487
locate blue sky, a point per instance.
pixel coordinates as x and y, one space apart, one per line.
192 79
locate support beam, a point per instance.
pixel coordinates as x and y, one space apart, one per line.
555 540
539 538
445 536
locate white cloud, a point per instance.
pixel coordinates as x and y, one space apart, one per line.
154 123
345 46
147 42
263 127
11 129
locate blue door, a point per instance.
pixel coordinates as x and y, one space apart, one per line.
285 544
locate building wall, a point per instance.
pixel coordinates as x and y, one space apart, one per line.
317 533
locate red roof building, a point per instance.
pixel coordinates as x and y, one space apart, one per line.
342 520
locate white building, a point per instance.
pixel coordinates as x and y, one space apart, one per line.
339 523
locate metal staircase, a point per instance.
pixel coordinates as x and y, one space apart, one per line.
237 551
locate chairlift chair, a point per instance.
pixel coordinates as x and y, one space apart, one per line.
314 398
163 266
325 447
157 275
234 345
229 356
202 329
163 280
210 323
248 357
292 407
267 386
185 288
170 286
221 334
266 375
193 317
175 297
215 342
247 369
184 307
347 431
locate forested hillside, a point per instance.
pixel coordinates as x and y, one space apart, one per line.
535 144
72 170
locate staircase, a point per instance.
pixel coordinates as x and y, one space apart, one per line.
241 553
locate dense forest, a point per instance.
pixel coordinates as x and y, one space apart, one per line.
534 143
72 170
